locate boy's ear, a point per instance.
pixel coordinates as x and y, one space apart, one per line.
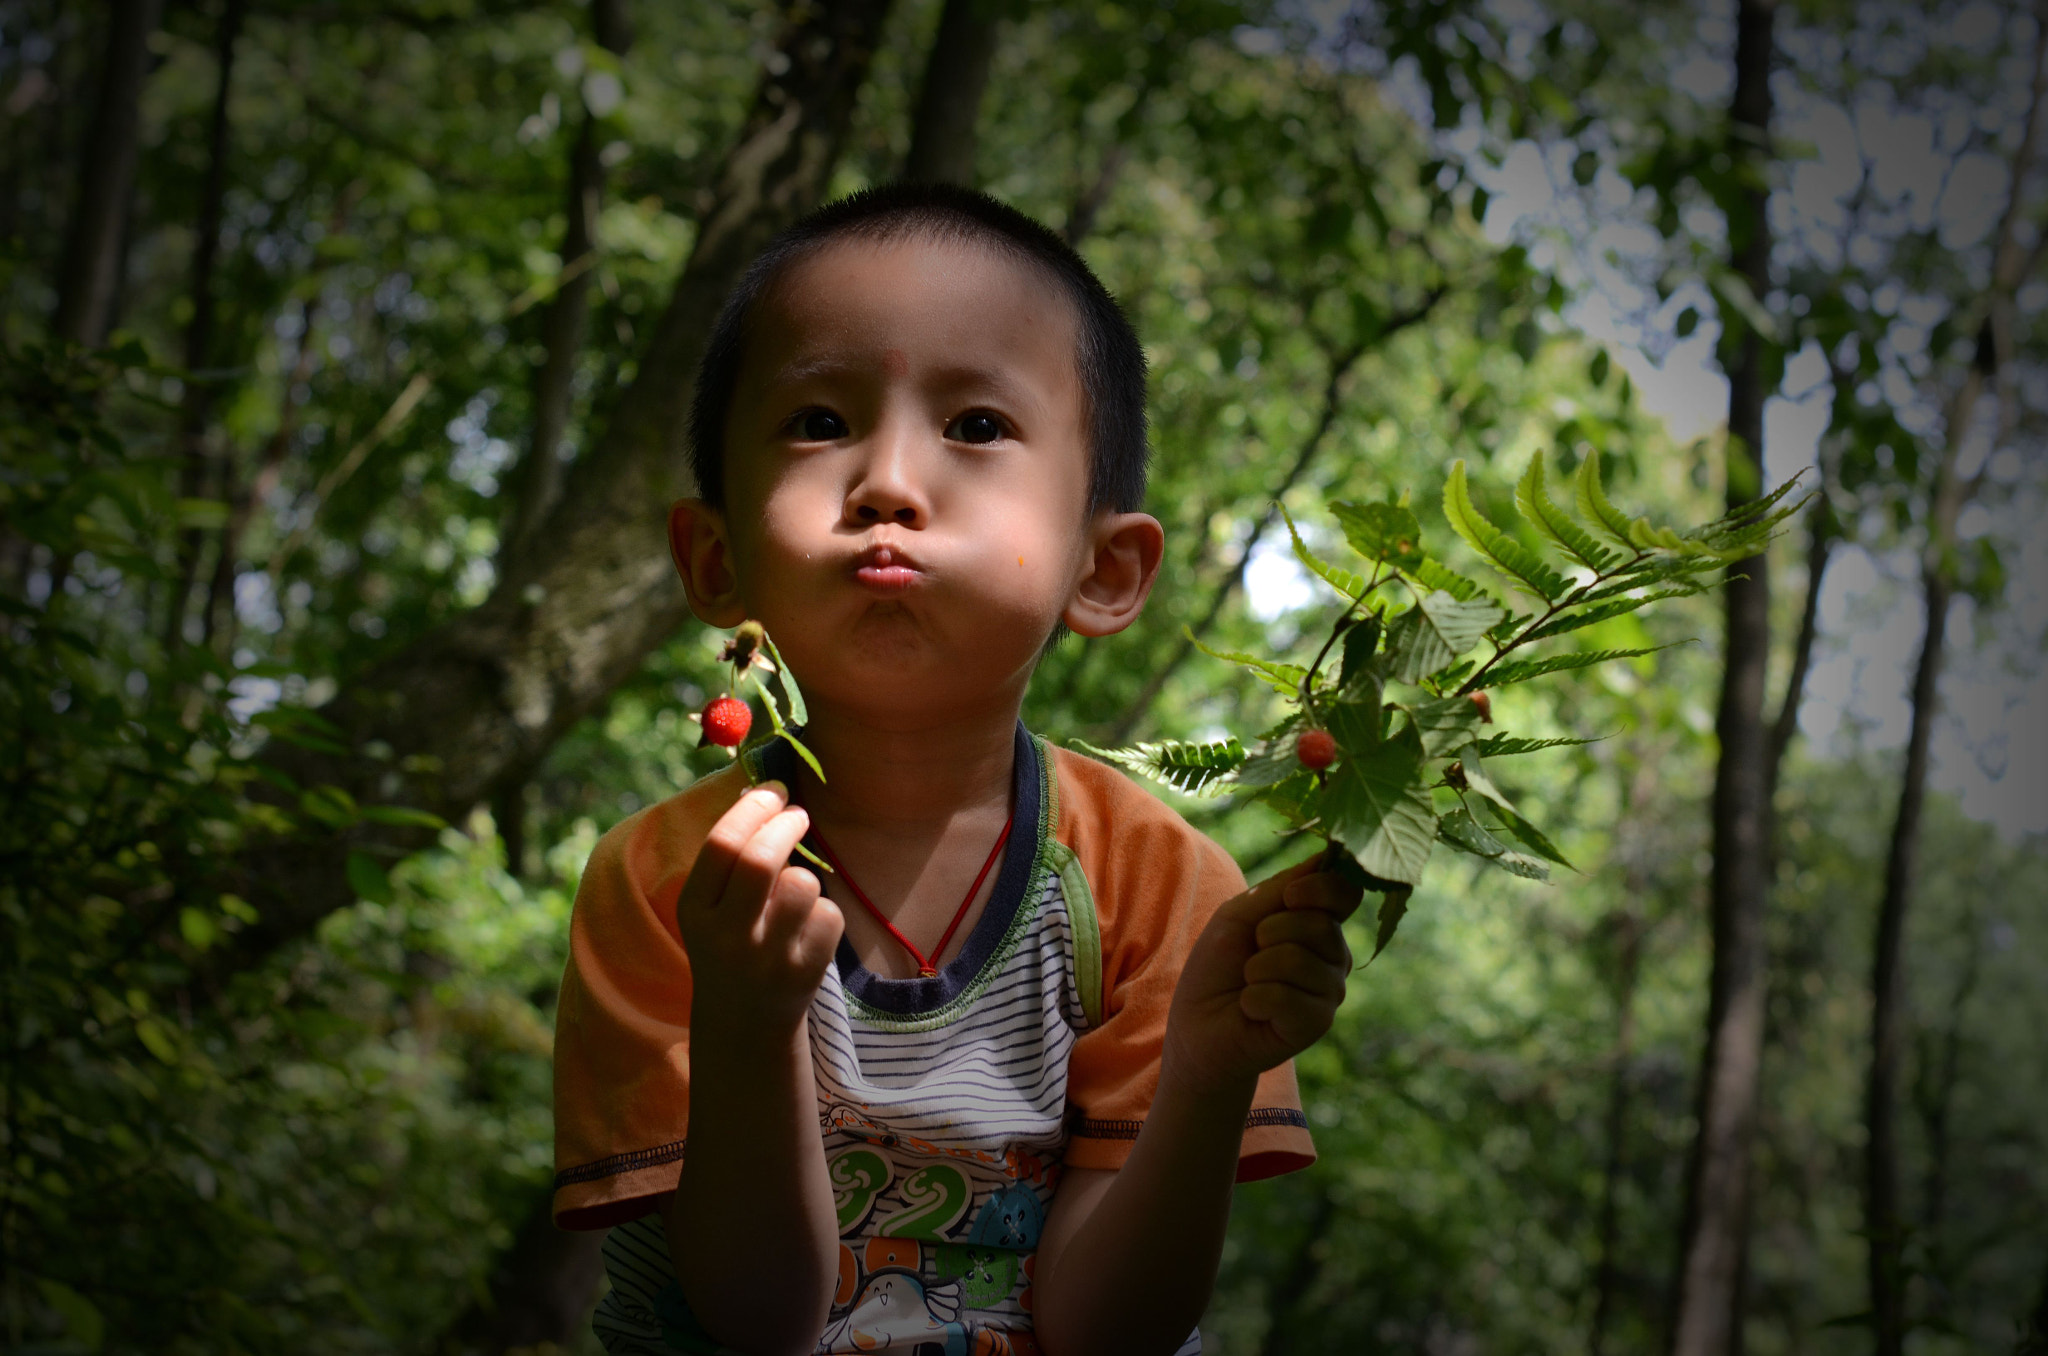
1117 577
698 544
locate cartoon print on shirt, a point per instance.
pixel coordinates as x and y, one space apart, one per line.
896 1307
986 1275
858 1175
1012 1218
935 1197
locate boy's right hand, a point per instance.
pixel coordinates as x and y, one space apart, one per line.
759 932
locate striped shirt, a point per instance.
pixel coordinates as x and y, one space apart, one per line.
947 1105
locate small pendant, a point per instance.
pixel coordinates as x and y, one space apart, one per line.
927 972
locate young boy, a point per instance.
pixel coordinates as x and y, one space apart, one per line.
919 441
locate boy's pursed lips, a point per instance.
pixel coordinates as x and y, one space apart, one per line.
887 568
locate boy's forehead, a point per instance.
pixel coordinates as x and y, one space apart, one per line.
905 303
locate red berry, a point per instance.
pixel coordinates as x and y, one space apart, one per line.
1485 705
726 721
1316 749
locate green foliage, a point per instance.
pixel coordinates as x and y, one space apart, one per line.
1375 803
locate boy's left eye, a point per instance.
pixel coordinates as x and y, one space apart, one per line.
975 426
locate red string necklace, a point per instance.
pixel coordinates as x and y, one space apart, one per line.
926 967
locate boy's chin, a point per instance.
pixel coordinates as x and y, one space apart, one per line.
907 686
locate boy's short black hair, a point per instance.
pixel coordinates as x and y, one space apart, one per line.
1110 361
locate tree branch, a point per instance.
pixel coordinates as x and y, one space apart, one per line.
943 130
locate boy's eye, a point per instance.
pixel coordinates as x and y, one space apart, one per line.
976 426
818 426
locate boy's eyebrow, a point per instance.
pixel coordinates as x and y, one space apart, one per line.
799 370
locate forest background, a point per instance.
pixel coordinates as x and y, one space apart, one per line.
345 343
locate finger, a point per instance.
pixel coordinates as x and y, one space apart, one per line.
1298 968
1326 892
1299 1020
789 904
722 846
758 864
818 938
1312 928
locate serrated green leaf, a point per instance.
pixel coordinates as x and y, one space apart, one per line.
1531 836
1432 575
1521 671
1556 526
1507 746
1361 655
1283 678
1380 532
1352 586
1439 628
1192 769
1270 764
1607 520
1377 806
1446 725
1467 834
1602 611
1504 553
369 879
1649 536
1476 778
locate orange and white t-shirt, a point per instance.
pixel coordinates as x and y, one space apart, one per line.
948 1105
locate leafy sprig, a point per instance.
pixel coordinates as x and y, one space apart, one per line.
1439 641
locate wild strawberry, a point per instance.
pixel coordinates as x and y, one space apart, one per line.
1316 749
1485 705
726 721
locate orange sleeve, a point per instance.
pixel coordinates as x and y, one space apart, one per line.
1156 882
622 1027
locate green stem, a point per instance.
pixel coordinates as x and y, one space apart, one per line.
1570 600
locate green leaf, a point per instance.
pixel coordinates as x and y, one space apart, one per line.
1284 678
795 713
197 927
1507 746
1606 519
1435 631
1352 586
1432 575
403 817
203 515
1380 532
1556 526
369 880
810 759
1446 725
1355 723
1531 836
1361 655
1467 834
83 1323
1603 611
1271 763
330 805
1193 769
1377 806
1521 671
1503 552
156 1038
1393 908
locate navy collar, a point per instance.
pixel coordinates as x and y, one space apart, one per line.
914 997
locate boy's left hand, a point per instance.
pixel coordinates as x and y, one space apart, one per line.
1263 981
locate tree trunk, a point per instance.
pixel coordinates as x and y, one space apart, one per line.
942 133
1628 970
477 702
1884 1222
90 272
537 482
1708 1318
197 409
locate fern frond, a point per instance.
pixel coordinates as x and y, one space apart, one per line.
1602 611
1504 553
1352 586
1532 498
1521 671
1192 769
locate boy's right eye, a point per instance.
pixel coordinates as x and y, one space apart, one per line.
817 426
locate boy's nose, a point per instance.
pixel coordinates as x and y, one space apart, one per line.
886 490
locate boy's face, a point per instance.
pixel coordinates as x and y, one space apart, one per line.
907 467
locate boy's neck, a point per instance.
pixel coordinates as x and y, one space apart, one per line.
907 782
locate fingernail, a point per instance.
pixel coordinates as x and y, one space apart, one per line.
774 788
